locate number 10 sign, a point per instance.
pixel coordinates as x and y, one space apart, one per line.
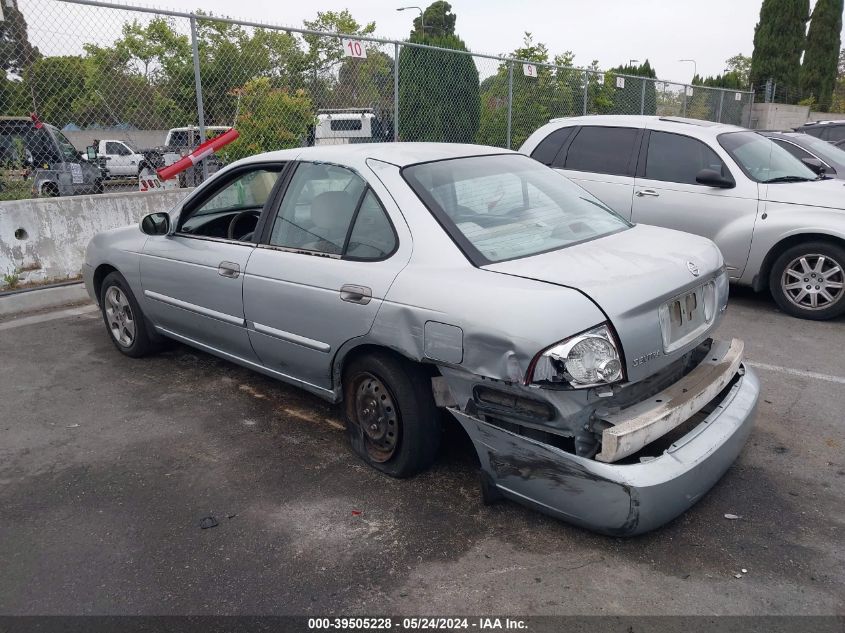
354 48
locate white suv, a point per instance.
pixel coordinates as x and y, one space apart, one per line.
778 225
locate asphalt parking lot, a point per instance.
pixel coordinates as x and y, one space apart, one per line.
108 465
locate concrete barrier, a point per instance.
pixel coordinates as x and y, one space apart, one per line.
44 239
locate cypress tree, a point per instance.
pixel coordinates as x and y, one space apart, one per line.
439 96
778 42
818 72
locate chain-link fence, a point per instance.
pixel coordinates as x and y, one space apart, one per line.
95 93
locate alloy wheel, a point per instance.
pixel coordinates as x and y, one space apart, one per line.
813 282
119 315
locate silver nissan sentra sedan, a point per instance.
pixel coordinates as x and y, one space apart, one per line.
573 347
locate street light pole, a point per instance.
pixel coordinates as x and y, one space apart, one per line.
422 16
694 67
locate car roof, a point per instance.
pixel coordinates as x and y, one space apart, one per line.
831 122
399 154
694 127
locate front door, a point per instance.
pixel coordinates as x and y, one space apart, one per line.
193 279
329 255
667 194
119 158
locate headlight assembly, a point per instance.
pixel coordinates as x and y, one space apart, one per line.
589 359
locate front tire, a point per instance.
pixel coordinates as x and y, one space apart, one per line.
391 419
124 320
808 281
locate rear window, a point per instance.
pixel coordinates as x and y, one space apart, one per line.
603 150
503 207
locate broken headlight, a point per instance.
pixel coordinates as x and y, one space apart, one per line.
589 359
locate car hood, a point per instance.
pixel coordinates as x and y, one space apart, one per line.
629 275
829 194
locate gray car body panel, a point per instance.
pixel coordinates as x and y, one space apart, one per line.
483 327
749 235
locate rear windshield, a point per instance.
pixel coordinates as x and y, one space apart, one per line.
509 206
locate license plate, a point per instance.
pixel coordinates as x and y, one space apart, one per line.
684 317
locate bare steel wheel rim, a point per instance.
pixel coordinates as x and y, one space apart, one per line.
119 315
378 417
813 281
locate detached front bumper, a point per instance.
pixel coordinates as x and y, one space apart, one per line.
618 499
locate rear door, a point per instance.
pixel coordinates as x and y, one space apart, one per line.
329 254
667 194
602 160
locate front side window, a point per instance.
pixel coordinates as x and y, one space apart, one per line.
508 206
677 158
764 160
66 147
793 149
602 150
245 193
330 209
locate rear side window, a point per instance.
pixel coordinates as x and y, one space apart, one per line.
372 234
835 133
550 146
603 150
677 158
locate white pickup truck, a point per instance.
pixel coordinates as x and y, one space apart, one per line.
122 160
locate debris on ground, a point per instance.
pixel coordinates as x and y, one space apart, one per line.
208 522
732 517
356 513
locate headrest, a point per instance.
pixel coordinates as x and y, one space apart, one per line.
332 210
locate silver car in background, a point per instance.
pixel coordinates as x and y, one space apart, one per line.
778 225
403 280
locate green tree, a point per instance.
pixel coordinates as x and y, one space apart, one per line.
438 91
324 53
269 119
630 99
778 42
740 66
818 71
439 20
56 83
16 53
535 99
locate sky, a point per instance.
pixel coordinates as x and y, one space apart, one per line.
610 31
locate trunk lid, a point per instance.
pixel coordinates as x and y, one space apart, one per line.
629 276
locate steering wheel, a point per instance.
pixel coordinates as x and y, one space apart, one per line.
233 223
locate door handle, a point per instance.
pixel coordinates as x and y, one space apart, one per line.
647 192
356 294
229 269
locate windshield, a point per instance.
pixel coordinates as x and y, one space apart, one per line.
764 160
508 206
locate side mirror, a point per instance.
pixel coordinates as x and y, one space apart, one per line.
815 164
91 152
156 224
713 178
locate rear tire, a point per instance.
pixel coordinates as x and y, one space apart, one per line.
808 280
124 320
391 419
50 190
